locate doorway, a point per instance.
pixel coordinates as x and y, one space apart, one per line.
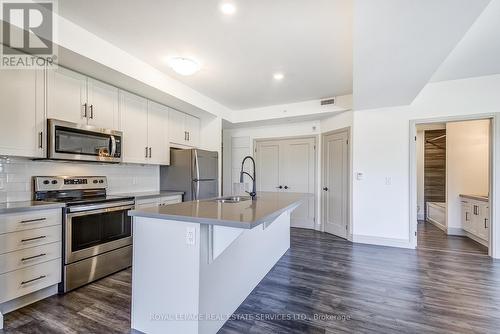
335 186
453 171
289 165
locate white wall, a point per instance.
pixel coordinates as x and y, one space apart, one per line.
467 164
16 176
381 149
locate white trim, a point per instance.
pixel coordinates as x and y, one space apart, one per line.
437 224
494 245
382 241
457 231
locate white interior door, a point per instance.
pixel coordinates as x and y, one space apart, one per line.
268 166
335 183
289 166
297 175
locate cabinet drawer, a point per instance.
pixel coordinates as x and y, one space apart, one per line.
20 221
30 256
170 200
20 282
29 238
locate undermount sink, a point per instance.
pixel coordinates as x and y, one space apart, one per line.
233 199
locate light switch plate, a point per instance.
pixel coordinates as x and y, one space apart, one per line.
190 235
360 176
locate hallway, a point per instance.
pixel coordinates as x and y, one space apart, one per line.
432 238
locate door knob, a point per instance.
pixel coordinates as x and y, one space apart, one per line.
325 188
280 187
286 187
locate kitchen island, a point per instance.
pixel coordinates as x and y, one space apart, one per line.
195 262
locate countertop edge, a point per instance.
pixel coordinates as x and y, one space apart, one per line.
475 197
218 222
29 208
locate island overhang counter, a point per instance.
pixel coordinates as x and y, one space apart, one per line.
195 262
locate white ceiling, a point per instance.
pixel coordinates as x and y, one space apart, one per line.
478 53
399 44
309 41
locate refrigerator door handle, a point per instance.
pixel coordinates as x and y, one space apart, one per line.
197 178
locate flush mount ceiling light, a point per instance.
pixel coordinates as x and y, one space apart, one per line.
278 76
228 8
183 66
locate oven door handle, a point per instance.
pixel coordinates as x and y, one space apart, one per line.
113 146
96 208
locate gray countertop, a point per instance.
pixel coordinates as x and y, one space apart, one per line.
246 214
150 194
12 207
482 198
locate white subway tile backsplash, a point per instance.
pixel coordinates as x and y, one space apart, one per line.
16 176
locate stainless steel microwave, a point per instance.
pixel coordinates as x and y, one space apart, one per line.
72 141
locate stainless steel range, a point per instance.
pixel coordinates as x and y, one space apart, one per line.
97 231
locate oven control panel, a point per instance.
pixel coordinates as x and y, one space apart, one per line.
51 183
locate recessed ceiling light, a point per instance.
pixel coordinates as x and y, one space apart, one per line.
183 66
278 76
228 8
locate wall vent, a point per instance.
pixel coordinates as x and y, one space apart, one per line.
328 101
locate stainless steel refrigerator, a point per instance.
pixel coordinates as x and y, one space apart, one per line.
196 172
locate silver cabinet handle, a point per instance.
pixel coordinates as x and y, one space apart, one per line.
325 188
150 152
146 151
35 238
33 257
189 136
185 135
85 106
286 187
466 216
40 139
485 220
33 280
279 187
32 220
91 111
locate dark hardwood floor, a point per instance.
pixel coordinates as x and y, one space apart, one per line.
432 238
323 284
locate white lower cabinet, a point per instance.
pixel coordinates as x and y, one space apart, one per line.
30 252
476 219
152 202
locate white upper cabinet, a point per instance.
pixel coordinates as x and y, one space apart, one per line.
184 129
102 104
22 115
67 95
158 146
134 125
76 98
176 129
193 130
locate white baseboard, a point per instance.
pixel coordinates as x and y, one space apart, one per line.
437 224
381 241
455 231
15 304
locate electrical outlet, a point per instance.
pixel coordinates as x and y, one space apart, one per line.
360 176
388 181
190 235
